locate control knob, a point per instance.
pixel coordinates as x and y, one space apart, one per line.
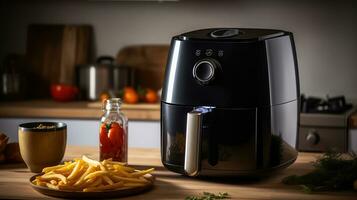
313 137
205 70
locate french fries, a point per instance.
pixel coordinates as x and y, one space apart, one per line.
88 175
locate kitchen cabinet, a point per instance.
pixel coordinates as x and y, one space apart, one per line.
82 119
85 132
168 185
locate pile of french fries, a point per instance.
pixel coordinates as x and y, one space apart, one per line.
89 175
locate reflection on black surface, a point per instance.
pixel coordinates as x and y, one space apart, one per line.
276 150
231 142
176 149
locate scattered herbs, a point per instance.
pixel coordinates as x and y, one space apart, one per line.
209 196
332 172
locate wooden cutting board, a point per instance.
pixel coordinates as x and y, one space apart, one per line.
149 62
52 52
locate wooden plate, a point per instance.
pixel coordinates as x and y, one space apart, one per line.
86 195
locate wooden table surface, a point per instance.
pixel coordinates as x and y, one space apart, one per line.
74 110
14 182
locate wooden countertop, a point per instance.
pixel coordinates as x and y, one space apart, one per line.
168 185
87 110
74 110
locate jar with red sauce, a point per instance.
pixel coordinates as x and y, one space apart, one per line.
113 133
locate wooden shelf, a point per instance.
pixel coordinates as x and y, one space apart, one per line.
74 110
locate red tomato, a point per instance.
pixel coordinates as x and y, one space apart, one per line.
116 135
151 96
130 96
106 145
62 92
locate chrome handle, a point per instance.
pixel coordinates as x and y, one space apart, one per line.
193 142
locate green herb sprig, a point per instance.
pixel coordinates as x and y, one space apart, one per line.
332 172
209 196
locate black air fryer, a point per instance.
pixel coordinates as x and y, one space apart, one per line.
230 102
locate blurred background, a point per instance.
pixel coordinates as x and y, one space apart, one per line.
325 31
47 43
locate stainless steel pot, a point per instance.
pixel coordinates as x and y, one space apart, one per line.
104 75
123 76
12 78
10 86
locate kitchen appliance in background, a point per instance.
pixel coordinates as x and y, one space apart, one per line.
52 52
12 80
103 76
324 124
331 105
123 76
230 102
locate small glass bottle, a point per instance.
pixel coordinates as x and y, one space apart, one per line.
113 133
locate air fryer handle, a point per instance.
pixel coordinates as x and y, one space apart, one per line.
193 143
193 140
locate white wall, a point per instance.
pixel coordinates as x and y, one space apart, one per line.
325 31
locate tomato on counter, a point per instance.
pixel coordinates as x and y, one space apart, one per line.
130 95
151 96
148 95
63 92
104 96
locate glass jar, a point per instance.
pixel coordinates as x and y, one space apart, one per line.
113 133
